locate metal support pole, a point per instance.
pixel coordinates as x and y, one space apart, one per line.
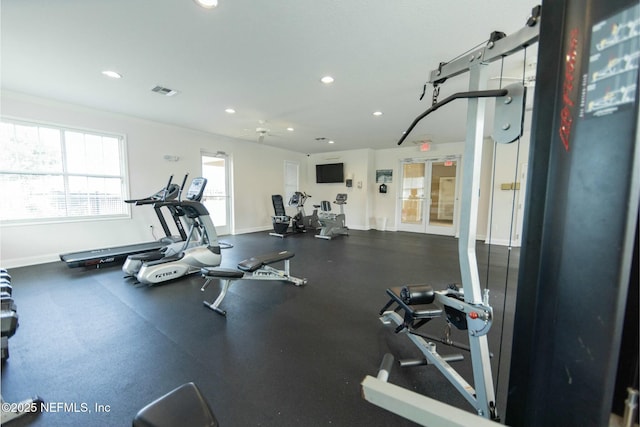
482 377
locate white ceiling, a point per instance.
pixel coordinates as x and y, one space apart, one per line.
263 58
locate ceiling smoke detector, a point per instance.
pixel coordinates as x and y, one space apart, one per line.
164 91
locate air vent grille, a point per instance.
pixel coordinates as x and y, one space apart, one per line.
164 91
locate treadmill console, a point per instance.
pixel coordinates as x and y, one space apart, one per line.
196 189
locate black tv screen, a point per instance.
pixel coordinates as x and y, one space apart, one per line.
330 172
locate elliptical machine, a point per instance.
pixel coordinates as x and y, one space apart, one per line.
206 253
301 222
332 224
134 262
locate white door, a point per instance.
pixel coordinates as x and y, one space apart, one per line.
428 200
217 195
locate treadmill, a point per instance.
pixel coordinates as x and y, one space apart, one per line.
98 257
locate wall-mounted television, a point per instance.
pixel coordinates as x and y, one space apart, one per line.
330 172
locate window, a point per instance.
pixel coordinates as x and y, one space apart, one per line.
291 172
53 173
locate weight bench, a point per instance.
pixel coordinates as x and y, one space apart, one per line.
183 406
254 268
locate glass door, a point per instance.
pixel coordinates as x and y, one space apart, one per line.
217 195
442 197
412 199
429 194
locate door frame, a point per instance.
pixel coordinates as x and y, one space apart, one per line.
425 226
227 228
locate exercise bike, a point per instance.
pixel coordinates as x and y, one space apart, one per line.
283 224
301 222
332 224
280 220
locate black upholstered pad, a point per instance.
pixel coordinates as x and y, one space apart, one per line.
278 205
229 273
420 311
183 406
254 263
417 294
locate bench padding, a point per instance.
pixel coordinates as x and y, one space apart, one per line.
183 406
413 311
254 263
229 273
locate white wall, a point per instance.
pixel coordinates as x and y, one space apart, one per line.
507 204
357 163
258 172
386 204
368 208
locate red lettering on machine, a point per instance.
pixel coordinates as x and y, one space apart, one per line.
568 92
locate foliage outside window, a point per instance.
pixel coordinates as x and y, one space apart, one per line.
50 173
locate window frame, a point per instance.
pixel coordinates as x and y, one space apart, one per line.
65 174
288 165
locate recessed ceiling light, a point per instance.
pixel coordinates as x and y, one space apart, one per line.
208 4
112 74
290 129
230 110
377 113
327 80
331 142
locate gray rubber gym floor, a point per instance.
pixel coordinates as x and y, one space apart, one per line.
283 356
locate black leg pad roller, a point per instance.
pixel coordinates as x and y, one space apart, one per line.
184 406
417 294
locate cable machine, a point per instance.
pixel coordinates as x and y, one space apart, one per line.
575 335
467 308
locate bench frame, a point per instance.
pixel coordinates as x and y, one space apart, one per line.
256 268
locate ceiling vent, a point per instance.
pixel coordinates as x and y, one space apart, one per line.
164 91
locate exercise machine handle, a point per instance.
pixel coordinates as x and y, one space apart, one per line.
184 181
385 367
494 93
166 189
